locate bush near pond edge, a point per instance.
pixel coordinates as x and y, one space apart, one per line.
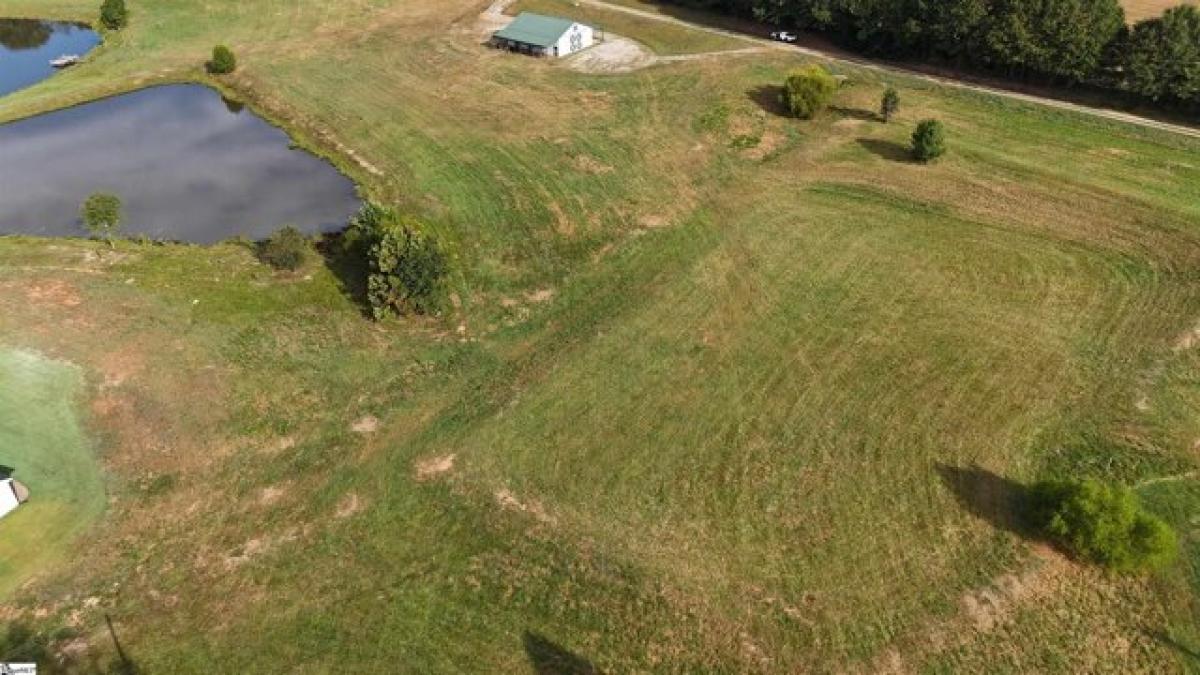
406 265
286 249
113 14
223 61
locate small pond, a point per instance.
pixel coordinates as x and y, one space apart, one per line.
187 164
28 45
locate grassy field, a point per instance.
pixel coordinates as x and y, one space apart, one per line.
41 439
722 392
1136 10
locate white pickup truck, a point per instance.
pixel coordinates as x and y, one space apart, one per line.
783 36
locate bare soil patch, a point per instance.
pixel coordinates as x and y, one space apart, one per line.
53 292
532 507
349 505
433 467
368 424
615 55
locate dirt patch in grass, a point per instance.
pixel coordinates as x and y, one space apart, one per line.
531 507
1187 340
987 607
589 164
349 505
615 55
368 424
432 467
271 494
54 292
119 366
541 295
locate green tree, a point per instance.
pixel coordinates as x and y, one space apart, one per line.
113 14
889 104
286 249
1101 523
808 90
1162 57
1063 39
223 61
101 213
929 141
406 267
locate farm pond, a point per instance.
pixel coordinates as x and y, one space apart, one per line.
187 164
27 46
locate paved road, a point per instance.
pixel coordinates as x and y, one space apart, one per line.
1105 113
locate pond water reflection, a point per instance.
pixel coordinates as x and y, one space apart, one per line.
186 164
28 45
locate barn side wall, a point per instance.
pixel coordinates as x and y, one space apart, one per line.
8 499
587 37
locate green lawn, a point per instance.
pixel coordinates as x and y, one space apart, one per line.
709 398
40 437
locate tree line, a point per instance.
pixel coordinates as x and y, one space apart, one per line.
1064 42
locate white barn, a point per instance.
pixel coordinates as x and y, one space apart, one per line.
12 495
542 35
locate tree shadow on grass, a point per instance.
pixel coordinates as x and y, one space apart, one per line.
19 643
855 114
1190 654
888 150
991 497
548 658
770 98
349 268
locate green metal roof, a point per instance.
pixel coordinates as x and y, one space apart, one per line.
535 29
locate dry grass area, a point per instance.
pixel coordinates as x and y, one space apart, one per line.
708 402
1136 10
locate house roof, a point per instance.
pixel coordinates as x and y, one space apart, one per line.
535 29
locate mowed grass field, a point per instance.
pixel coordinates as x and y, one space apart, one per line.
42 441
721 391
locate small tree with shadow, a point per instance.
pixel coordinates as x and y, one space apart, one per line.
807 90
101 213
286 249
929 141
889 105
113 14
1101 523
406 266
223 61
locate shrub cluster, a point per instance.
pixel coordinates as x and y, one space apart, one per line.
808 90
223 61
1101 523
113 14
1059 41
889 104
929 141
406 267
287 249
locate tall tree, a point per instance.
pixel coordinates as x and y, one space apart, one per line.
1162 57
1062 39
